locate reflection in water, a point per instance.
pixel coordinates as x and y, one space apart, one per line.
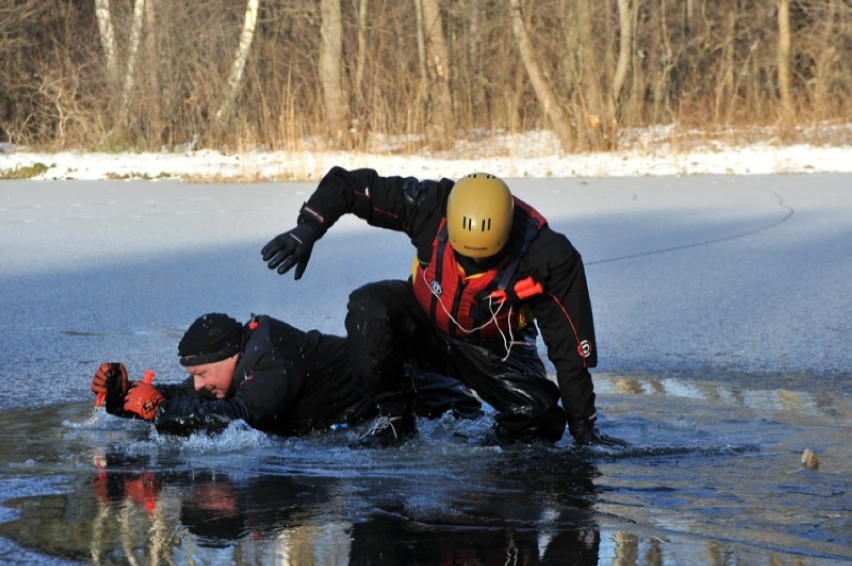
130 511
169 515
708 487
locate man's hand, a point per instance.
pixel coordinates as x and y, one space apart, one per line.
110 375
593 437
291 248
110 384
143 400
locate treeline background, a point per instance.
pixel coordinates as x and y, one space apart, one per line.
143 74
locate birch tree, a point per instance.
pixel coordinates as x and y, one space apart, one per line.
152 79
104 17
235 77
108 43
132 51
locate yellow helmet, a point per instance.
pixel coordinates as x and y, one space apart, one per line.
479 215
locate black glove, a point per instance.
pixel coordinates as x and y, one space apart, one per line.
292 248
592 436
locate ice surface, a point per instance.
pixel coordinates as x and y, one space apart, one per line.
722 307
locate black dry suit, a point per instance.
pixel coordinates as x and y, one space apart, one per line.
449 320
288 382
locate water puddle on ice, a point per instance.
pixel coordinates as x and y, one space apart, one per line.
713 477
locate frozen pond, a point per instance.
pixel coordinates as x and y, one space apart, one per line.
723 315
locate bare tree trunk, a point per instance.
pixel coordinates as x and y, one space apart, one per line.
619 76
441 123
133 49
543 90
361 58
690 14
422 67
359 124
235 77
331 50
788 113
725 84
668 62
107 36
593 108
828 56
154 111
631 112
625 41
472 99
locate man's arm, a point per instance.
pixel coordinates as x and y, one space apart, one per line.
392 202
564 316
397 203
185 415
111 384
172 390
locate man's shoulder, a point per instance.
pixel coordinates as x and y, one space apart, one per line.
549 247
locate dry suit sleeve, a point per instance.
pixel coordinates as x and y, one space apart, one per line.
185 415
398 203
563 313
172 390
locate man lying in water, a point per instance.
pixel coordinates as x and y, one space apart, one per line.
275 377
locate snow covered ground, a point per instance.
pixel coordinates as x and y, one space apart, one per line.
532 154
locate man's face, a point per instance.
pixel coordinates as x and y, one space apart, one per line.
215 377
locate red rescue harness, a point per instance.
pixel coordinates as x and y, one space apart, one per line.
458 304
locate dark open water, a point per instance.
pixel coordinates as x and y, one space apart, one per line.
714 477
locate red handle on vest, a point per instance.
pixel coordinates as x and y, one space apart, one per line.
527 288
524 289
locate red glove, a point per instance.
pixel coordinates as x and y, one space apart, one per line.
110 375
110 384
143 399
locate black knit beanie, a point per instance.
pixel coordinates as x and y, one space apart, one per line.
211 338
